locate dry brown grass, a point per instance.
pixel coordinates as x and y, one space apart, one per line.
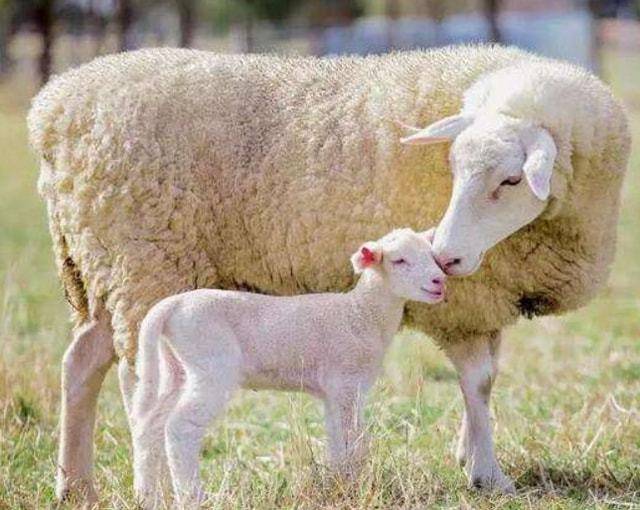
567 403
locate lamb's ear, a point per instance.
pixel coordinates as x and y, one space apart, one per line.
541 151
369 254
444 130
429 234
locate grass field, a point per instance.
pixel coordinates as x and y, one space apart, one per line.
567 404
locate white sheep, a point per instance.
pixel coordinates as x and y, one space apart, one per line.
169 170
202 346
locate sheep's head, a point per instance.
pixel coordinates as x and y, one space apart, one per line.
502 180
403 257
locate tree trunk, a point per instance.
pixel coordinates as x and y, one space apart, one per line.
97 28
186 12
125 22
392 13
491 8
596 42
249 39
5 61
43 18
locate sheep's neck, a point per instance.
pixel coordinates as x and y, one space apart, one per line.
373 299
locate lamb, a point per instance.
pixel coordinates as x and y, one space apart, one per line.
212 342
169 170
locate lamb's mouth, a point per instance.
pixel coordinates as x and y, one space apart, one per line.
433 294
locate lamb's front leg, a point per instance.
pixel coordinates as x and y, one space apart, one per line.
475 360
344 418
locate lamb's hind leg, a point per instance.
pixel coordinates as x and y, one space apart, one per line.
84 367
476 362
211 381
151 472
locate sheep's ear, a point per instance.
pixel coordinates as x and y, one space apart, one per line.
541 154
369 254
444 130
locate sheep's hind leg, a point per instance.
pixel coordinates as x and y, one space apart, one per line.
84 366
475 360
204 396
127 381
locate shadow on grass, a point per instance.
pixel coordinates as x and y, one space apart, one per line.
440 374
582 483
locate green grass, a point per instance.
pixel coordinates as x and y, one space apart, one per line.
567 404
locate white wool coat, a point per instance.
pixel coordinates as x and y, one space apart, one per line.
166 170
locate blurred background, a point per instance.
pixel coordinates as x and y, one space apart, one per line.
567 402
40 37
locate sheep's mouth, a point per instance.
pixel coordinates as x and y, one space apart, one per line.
457 269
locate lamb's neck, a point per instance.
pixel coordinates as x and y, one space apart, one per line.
373 300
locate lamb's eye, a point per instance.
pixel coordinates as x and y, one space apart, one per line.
511 181
398 262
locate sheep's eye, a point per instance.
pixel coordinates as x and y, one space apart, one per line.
398 262
511 181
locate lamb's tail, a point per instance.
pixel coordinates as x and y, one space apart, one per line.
154 398
148 362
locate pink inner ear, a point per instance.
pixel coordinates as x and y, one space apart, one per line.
430 234
368 257
539 186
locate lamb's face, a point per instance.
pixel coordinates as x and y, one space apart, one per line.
411 269
405 260
501 181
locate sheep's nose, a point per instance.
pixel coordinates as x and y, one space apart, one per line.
448 263
437 281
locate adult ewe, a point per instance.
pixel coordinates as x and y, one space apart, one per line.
165 170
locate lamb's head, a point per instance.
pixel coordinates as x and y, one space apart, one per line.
502 169
404 259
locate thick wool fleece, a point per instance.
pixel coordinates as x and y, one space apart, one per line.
166 170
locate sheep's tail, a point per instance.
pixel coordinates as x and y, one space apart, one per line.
148 363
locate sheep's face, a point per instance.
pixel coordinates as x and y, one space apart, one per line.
501 181
403 257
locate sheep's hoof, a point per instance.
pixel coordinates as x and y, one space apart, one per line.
494 481
79 493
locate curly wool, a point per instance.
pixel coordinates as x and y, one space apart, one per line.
166 170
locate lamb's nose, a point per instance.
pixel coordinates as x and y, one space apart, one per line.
437 281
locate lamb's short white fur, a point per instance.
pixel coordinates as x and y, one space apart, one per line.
198 347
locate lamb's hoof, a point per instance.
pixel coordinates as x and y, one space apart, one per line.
461 454
493 481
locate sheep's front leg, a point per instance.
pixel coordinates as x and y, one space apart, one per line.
463 448
345 428
84 367
476 361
